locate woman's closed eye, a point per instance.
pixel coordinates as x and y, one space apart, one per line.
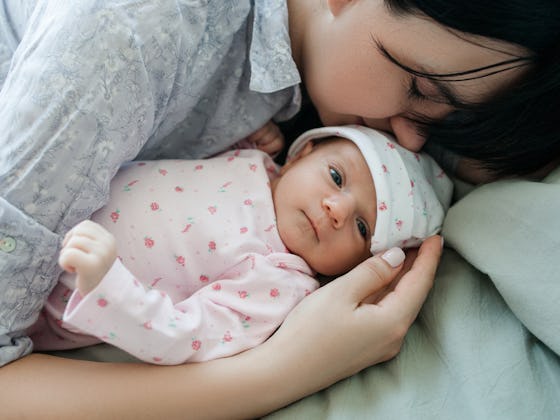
422 90
414 92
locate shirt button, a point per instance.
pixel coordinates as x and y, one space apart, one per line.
7 244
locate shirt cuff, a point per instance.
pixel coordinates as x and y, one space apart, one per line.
28 273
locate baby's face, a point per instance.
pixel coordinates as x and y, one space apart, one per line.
325 206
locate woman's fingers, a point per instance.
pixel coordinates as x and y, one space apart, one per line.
413 287
334 323
371 276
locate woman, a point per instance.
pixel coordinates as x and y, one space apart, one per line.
413 69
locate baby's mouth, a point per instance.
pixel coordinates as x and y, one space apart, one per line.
313 226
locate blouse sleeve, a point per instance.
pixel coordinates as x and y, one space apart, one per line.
81 97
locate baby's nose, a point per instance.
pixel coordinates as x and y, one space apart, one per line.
338 208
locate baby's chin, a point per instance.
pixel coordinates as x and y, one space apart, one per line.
331 269
328 269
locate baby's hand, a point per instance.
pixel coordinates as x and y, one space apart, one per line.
88 250
268 138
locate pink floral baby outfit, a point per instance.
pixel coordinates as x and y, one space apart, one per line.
202 272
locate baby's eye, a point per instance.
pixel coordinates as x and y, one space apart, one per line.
362 228
336 177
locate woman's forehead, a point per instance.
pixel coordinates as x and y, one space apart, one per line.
422 41
426 46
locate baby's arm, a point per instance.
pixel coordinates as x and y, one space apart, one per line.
268 138
229 315
88 250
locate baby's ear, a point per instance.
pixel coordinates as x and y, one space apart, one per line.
304 151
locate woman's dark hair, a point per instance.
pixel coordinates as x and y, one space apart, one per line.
518 131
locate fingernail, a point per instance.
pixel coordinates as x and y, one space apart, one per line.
442 242
394 257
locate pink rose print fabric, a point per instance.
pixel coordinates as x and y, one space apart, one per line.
202 272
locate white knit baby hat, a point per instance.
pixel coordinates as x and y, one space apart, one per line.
413 193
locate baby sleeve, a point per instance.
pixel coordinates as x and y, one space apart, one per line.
236 312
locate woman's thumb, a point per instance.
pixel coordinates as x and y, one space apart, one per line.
373 274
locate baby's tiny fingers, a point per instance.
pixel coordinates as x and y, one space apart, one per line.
89 228
69 258
82 243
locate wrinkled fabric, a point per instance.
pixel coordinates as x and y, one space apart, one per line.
91 84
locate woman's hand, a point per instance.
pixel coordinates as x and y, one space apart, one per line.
88 250
335 332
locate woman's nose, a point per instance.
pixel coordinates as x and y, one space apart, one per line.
407 134
338 208
405 131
